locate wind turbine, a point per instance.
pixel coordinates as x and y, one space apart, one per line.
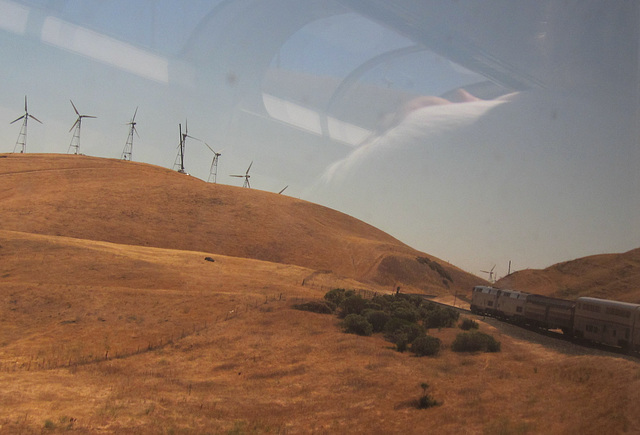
75 139
213 172
490 272
22 137
179 162
128 147
246 176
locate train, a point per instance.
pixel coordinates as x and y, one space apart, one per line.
594 320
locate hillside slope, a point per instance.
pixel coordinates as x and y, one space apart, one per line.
609 276
138 204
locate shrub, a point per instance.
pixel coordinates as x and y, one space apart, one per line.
434 316
322 307
372 306
468 324
335 296
404 310
378 319
425 345
402 343
475 341
356 324
401 333
353 304
425 401
395 325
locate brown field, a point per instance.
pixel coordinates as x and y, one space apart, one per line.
111 320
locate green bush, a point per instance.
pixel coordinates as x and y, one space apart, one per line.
475 341
335 296
322 307
426 401
401 333
435 316
372 306
426 345
468 324
411 330
378 319
404 310
353 304
356 324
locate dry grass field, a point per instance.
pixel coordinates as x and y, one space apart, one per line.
607 276
112 321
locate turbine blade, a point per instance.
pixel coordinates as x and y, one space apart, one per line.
74 124
209 147
134 115
33 117
74 108
25 104
285 188
17 119
249 168
134 129
240 176
87 116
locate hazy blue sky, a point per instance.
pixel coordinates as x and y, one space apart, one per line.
322 105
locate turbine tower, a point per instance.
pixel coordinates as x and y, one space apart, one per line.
179 162
246 177
213 172
128 147
75 139
21 143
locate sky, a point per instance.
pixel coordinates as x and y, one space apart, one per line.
332 105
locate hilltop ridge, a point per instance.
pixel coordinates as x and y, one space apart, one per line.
607 276
140 204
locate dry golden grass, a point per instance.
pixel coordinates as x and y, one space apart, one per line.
139 204
607 276
105 336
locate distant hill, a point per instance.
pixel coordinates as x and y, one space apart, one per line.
609 276
139 204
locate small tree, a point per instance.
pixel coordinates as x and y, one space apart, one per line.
426 401
356 324
475 341
378 319
426 345
353 305
335 296
468 324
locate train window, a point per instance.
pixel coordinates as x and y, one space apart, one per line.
518 309
618 312
592 308
490 303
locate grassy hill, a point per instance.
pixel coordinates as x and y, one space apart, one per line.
113 321
139 204
608 276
